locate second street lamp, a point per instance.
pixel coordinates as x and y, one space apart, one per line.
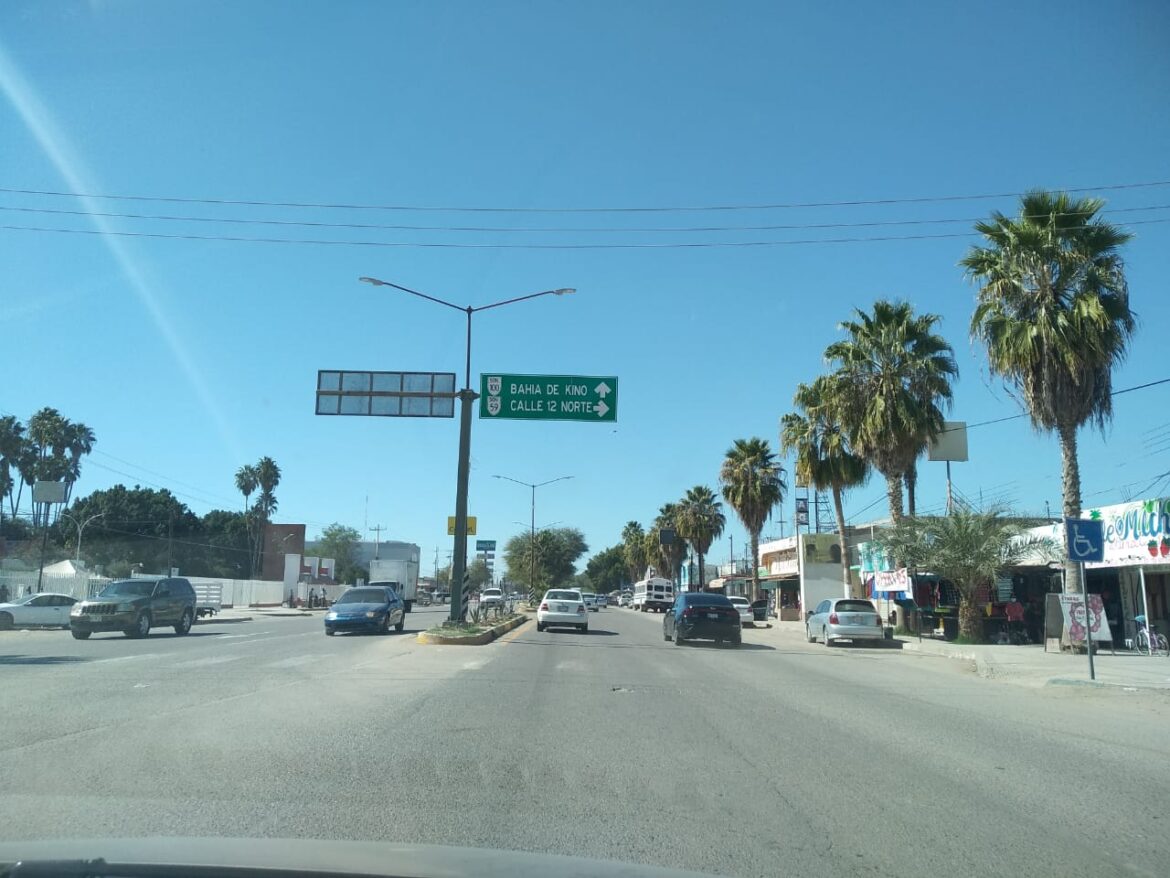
532 524
467 396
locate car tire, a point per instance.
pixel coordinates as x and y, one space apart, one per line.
808 635
584 629
825 637
665 636
6 621
401 624
539 626
141 626
736 644
183 626
678 641
329 632
80 635
385 627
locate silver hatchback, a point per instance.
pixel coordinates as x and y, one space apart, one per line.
843 619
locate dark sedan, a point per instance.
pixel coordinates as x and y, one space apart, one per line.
696 616
366 608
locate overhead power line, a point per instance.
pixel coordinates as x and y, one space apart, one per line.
929 199
397 227
445 245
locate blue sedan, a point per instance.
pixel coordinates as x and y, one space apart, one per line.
366 608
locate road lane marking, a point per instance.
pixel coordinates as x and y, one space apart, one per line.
126 658
210 660
295 661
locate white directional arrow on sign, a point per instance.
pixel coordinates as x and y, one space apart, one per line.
602 409
602 390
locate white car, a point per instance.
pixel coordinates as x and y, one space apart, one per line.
562 608
491 597
746 618
590 599
44 610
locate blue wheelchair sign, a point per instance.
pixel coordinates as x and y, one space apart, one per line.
1084 539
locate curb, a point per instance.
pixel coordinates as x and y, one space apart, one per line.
482 639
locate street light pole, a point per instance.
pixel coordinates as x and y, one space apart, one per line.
532 521
467 396
81 526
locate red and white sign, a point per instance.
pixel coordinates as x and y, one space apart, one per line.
892 580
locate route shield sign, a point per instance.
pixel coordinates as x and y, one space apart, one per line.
590 398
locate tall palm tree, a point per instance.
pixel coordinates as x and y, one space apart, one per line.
246 483
753 485
634 549
11 438
700 522
267 478
893 375
824 458
77 440
1053 312
666 557
45 432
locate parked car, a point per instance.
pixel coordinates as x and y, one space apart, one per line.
850 619
366 608
698 615
747 617
44 610
134 606
491 597
624 600
590 599
562 608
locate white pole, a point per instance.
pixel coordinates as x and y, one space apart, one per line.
1146 612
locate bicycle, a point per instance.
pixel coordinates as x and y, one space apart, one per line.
1147 637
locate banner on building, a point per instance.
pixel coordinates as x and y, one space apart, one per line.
1135 533
891 580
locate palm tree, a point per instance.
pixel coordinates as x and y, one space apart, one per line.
246 483
700 522
77 440
11 438
666 557
267 478
1053 312
824 459
753 485
45 432
892 375
968 548
634 549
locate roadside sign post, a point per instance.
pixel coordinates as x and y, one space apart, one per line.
589 398
1084 540
46 493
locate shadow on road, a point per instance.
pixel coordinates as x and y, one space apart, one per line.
710 644
41 659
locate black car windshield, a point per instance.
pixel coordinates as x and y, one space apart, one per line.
564 596
707 600
855 607
363 596
138 588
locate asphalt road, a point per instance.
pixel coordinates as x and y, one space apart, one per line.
777 758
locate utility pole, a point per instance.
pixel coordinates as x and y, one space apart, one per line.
377 529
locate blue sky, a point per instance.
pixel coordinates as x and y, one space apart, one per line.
191 357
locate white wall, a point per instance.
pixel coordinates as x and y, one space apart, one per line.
819 582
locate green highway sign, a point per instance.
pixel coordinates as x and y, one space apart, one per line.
548 397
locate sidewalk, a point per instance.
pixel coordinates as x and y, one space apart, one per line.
1022 665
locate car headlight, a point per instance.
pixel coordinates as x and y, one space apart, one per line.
125 607
331 615
373 614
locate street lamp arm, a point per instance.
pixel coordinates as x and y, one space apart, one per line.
561 292
385 283
550 481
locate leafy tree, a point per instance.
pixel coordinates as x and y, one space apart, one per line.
478 574
634 550
443 577
753 485
700 522
893 375
824 458
1053 312
342 544
607 569
546 561
968 548
138 527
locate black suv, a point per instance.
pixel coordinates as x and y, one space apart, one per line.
134 606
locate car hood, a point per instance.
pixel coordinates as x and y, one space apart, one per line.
309 857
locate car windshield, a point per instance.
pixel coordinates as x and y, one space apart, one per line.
363 596
129 588
330 315
707 600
